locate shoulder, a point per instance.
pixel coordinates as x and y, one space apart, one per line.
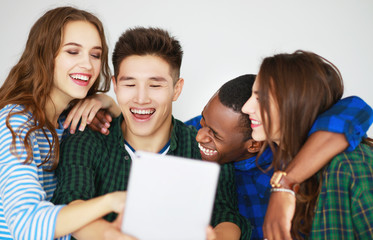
17 115
195 122
349 161
182 128
19 121
352 167
183 140
87 137
90 139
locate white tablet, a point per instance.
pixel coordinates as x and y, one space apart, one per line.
169 197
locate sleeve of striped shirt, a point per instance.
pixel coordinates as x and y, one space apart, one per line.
350 116
25 211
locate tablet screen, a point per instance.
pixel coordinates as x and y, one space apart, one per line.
169 197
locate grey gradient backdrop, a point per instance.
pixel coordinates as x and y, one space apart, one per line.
223 39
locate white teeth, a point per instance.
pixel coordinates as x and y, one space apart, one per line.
141 111
255 122
80 77
206 151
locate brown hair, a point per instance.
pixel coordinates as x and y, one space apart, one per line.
29 81
149 41
303 85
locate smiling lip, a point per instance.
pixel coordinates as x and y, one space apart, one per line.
81 79
207 153
255 123
142 114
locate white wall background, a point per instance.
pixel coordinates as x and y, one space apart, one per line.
222 39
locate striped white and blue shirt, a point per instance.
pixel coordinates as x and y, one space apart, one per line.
25 189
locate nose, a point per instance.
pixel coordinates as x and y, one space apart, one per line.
142 95
86 62
247 108
203 135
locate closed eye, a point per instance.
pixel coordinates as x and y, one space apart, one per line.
98 56
72 52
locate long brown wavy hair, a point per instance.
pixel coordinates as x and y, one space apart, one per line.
303 85
29 82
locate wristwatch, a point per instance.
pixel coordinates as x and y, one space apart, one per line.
280 180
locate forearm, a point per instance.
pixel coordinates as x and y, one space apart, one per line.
227 230
79 213
93 231
114 109
319 149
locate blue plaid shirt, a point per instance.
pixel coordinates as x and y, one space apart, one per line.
253 190
351 116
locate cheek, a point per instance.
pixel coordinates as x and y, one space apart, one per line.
275 118
123 95
97 65
162 97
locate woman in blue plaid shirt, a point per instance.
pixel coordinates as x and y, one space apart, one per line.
291 90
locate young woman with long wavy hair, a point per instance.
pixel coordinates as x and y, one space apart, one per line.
290 91
65 58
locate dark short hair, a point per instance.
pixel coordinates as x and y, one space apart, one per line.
234 94
149 41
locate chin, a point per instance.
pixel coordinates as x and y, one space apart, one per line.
80 96
209 158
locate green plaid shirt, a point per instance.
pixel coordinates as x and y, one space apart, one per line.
92 164
345 205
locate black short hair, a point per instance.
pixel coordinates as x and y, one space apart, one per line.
149 41
234 94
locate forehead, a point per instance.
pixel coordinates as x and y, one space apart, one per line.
221 117
147 66
81 32
256 84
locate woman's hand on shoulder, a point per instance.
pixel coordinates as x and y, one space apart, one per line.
86 110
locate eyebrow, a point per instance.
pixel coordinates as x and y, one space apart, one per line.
158 79
213 131
124 78
128 78
79 45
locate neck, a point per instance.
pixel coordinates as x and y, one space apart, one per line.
246 156
53 110
150 143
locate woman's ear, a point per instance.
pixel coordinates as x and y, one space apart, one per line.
254 146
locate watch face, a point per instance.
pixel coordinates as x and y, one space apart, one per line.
280 180
276 178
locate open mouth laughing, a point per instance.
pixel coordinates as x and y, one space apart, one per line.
142 113
206 151
81 79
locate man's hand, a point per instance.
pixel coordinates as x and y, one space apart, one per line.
280 213
101 122
227 230
86 109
